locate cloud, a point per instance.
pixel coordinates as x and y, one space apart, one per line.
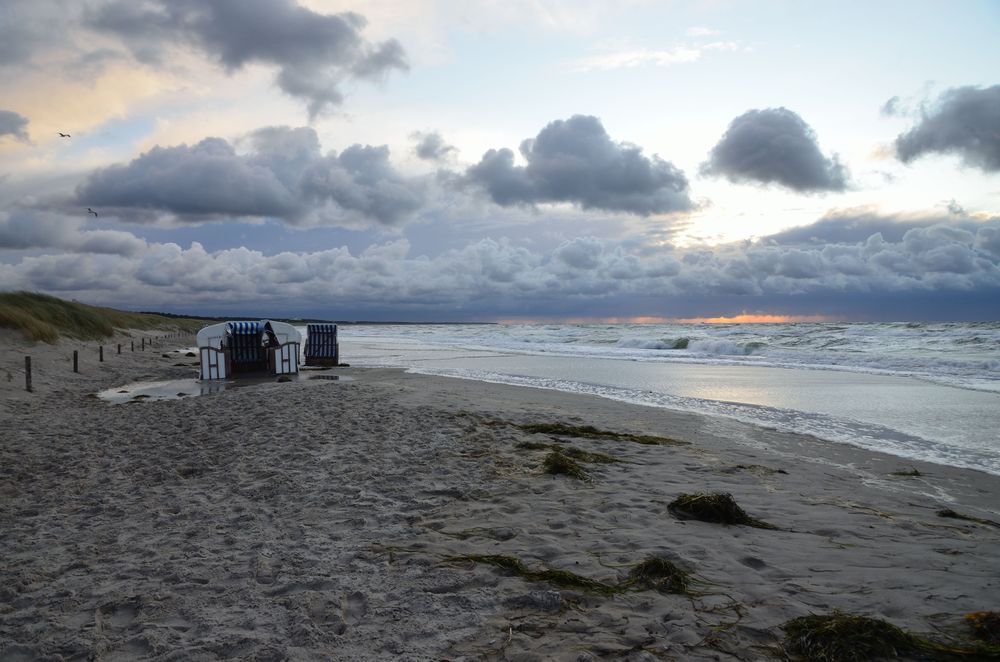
925 265
283 176
34 230
964 121
844 226
628 59
13 124
431 146
576 161
775 146
314 52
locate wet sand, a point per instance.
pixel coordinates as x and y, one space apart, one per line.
315 519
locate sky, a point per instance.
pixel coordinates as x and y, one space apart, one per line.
504 160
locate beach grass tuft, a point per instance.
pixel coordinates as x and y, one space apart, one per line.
660 574
557 463
40 317
718 508
590 432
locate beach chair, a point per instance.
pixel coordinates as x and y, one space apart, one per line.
321 345
245 346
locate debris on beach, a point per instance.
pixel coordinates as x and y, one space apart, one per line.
985 626
718 508
908 473
557 463
948 512
560 578
570 451
840 637
660 574
590 432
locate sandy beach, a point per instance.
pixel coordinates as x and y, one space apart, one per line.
320 519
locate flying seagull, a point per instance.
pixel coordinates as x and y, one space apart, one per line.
91 211
63 135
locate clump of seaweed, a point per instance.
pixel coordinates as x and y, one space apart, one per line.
840 637
590 432
558 463
284 379
659 574
948 512
911 472
569 451
719 508
560 578
985 626
533 445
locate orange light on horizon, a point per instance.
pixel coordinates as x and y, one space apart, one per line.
757 318
742 318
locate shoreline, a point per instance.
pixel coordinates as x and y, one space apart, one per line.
314 519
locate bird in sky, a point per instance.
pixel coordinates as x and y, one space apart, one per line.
91 211
63 135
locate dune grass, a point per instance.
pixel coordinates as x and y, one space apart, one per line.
40 317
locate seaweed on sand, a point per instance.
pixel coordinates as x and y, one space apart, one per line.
840 637
659 574
718 508
948 512
557 463
912 472
569 451
590 432
985 626
560 578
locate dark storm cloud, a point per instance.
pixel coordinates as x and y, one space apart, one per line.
284 176
964 121
431 146
585 275
13 124
775 146
314 52
576 161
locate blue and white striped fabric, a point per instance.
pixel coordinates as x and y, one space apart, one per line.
321 341
244 342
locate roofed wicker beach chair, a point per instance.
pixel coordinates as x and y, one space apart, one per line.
321 345
246 349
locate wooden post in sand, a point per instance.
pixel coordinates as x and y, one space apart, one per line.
101 353
133 345
144 344
119 348
27 374
76 365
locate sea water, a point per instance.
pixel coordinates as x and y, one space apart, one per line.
918 390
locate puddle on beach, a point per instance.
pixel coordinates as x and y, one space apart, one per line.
175 389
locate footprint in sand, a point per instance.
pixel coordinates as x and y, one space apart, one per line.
355 607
